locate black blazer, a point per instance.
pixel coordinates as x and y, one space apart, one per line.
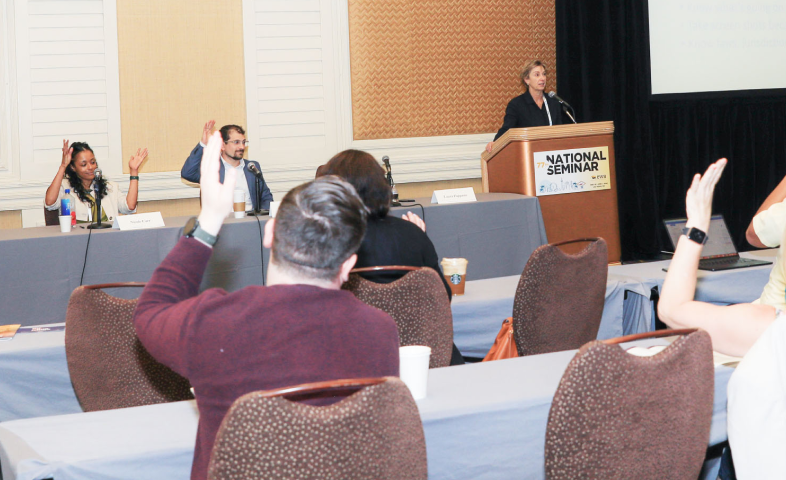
523 112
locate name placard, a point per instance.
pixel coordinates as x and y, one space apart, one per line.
273 208
454 195
138 221
572 171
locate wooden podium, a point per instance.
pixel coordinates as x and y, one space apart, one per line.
511 168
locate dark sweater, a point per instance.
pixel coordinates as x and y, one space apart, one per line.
258 338
523 112
394 241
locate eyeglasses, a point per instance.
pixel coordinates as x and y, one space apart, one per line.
238 142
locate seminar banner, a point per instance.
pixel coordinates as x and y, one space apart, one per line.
572 171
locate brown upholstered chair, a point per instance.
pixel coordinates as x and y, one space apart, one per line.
374 433
559 299
109 367
418 304
50 217
619 416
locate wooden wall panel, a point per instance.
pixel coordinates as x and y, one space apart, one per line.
433 68
181 64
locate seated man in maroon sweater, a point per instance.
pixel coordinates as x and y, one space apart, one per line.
300 328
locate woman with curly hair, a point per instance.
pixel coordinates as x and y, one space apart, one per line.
78 167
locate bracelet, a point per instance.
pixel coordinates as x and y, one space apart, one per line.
134 177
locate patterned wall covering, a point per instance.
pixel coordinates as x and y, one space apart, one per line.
442 67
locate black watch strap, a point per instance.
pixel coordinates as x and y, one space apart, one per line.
193 230
696 235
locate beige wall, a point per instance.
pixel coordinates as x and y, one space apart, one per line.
11 219
181 64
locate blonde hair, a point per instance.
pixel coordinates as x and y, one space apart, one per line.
528 68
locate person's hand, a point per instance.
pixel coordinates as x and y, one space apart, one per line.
136 161
67 151
698 201
207 130
411 217
216 197
489 146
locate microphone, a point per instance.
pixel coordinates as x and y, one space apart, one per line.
386 161
254 170
97 196
553 94
556 97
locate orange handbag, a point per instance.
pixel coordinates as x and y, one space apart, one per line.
504 345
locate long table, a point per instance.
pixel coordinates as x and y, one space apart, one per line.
478 314
41 266
481 421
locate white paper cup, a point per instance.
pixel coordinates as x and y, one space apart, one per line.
273 208
413 368
65 223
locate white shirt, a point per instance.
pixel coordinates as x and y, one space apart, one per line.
241 184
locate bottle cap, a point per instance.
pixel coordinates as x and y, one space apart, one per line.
68 190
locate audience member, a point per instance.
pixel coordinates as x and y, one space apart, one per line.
300 328
77 173
389 240
757 389
766 230
233 147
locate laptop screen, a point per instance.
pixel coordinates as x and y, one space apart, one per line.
719 243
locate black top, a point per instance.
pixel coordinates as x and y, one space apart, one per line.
394 241
523 112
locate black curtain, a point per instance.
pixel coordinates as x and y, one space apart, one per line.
603 70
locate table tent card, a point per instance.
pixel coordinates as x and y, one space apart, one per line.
454 195
139 221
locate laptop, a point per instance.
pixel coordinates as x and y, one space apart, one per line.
719 252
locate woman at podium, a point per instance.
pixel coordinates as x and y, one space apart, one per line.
533 108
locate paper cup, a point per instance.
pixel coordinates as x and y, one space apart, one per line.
413 368
273 209
239 204
455 271
65 223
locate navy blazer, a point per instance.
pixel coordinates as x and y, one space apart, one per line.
190 172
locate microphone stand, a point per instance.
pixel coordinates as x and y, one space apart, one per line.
97 193
568 112
258 209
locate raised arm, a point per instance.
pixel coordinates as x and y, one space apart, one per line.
53 192
776 196
170 299
134 164
733 329
191 168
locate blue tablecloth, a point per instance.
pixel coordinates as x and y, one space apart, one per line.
481 421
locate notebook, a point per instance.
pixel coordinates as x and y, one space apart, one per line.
719 252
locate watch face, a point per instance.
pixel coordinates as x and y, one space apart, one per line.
191 225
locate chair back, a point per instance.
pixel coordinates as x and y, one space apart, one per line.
418 304
619 416
375 432
109 367
50 217
559 299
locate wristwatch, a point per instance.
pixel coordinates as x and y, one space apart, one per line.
193 230
695 235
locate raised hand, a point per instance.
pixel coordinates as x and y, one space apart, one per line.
216 197
67 151
411 217
136 161
698 201
207 130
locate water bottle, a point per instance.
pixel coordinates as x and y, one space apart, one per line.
65 203
72 203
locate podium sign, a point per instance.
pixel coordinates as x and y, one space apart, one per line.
570 168
572 171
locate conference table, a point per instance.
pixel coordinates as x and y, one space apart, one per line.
42 266
481 421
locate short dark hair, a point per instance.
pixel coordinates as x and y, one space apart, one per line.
228 128
319 225
366 175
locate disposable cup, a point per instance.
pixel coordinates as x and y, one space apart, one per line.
65 223
455 271
273 209
413 368
239 204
